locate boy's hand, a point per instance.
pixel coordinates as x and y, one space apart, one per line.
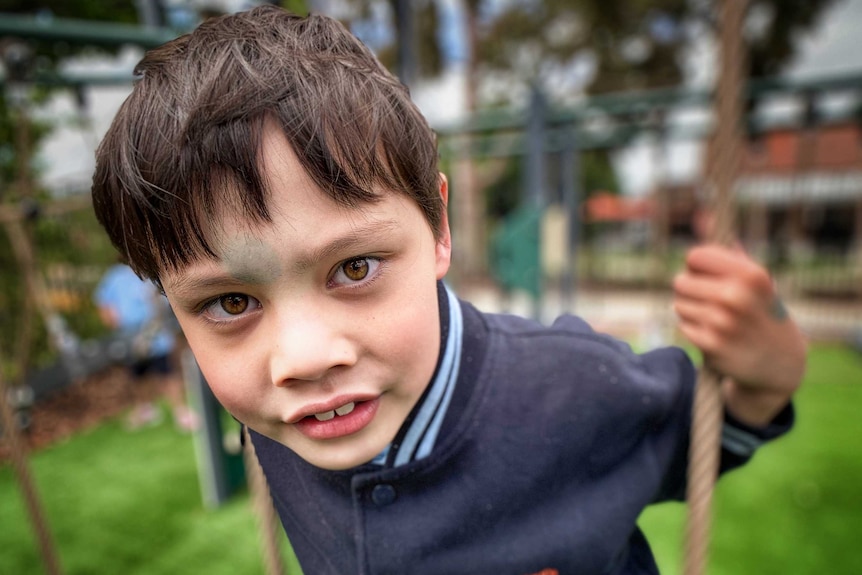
728 308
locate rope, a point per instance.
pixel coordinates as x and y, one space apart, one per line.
723 169
262 502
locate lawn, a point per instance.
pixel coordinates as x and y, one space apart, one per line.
796 508
129 502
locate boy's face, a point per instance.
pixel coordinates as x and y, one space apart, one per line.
319 330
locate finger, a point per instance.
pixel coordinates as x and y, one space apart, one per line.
704 288
707 317
702 338
739 293
713 259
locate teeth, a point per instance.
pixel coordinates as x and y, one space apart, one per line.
345 409
327 415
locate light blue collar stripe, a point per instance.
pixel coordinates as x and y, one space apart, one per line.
380 459
437 399
456 334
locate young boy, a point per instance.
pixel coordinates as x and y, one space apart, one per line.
282 189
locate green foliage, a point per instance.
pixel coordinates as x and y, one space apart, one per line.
7 145
72 241
531 38
110 10
778 44
43 57
72 252
12 304
75 248
504 194
295 6
637 44
426 21
46 54
598 173
12 134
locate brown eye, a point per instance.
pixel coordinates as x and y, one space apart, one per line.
234 304
356 270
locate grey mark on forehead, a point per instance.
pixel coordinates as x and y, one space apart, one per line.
248 259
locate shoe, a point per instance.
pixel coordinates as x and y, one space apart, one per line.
185 419
144 415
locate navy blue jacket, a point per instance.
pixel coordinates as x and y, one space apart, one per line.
556 440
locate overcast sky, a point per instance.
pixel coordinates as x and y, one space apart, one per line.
834 47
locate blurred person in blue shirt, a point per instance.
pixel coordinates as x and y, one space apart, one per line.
141 318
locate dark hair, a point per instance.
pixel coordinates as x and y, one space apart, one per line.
186 142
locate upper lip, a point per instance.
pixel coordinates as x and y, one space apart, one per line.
327 405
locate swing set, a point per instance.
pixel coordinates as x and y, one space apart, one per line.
727 105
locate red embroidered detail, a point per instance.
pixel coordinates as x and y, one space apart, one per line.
547 571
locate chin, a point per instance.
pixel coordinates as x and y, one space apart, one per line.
339 463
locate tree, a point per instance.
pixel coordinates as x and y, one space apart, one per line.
775 27
632 44
32 58
419 19
24 59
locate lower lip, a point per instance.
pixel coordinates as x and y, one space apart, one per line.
340 425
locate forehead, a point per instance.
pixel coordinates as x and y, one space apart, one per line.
302 215
303 224
291 195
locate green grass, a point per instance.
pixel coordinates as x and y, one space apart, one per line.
129 502
796 508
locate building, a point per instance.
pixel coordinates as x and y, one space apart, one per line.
801 189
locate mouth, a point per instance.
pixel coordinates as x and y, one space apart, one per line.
345 409
337 418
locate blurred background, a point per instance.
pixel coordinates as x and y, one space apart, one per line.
577 139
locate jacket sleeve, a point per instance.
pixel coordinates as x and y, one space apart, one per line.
739 442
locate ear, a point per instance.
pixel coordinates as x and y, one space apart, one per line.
443 249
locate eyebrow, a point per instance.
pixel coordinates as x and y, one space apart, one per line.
357 238
188 285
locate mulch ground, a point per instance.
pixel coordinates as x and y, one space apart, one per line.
83 405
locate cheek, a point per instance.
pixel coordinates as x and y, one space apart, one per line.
217 377
411 332
228 376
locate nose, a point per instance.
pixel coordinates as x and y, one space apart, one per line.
307 347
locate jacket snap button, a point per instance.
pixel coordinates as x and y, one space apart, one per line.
383 494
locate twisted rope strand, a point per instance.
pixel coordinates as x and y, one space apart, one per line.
268 525
707 410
